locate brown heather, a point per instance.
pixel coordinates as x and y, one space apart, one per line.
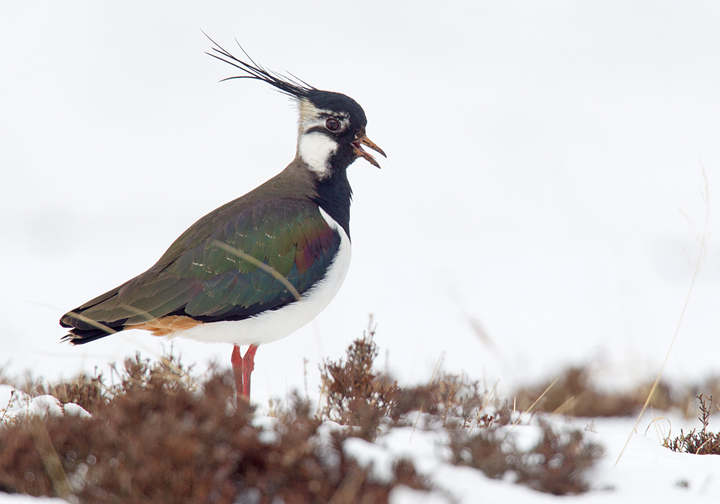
702 442
574 394
157 435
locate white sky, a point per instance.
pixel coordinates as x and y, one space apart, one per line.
544 172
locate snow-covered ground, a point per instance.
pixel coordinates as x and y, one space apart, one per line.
645 471
544 182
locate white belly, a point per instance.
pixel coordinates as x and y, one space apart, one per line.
276 324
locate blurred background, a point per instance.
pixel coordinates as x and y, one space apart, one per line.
543 203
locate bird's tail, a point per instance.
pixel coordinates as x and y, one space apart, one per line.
85 327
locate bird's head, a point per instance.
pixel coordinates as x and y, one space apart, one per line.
331 132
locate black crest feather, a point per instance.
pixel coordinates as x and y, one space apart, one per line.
291 85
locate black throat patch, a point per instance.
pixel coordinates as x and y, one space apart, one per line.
334 195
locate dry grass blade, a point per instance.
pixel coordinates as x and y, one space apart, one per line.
347 493
486 402
701 253
531 406
432 379
256 262
51 461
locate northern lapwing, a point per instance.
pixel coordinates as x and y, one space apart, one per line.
260 267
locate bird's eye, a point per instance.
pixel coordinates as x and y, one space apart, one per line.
332 124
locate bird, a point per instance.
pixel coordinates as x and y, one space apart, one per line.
260 267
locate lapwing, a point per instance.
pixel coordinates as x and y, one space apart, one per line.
259 267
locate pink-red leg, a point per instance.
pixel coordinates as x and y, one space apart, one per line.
237 365
242 369
248 366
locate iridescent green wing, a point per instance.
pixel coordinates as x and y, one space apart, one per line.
211 272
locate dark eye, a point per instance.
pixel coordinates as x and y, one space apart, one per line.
332 124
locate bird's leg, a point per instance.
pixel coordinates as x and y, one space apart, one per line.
248 364
237 365
242 369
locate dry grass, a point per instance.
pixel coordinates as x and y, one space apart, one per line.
574 394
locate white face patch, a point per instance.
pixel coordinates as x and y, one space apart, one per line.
316 149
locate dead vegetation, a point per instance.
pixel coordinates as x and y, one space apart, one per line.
478 428
702 442
157 434
556 464
575 394
358 396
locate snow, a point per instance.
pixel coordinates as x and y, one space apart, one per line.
542 203
645 471
75 410
371 456
25 499
14 403
44 405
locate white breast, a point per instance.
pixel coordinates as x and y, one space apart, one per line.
273 325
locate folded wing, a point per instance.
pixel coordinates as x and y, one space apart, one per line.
212 271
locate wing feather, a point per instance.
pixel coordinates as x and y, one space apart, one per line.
199 279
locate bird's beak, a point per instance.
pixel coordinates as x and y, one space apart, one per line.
361 140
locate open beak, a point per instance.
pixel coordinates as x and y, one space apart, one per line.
361 140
